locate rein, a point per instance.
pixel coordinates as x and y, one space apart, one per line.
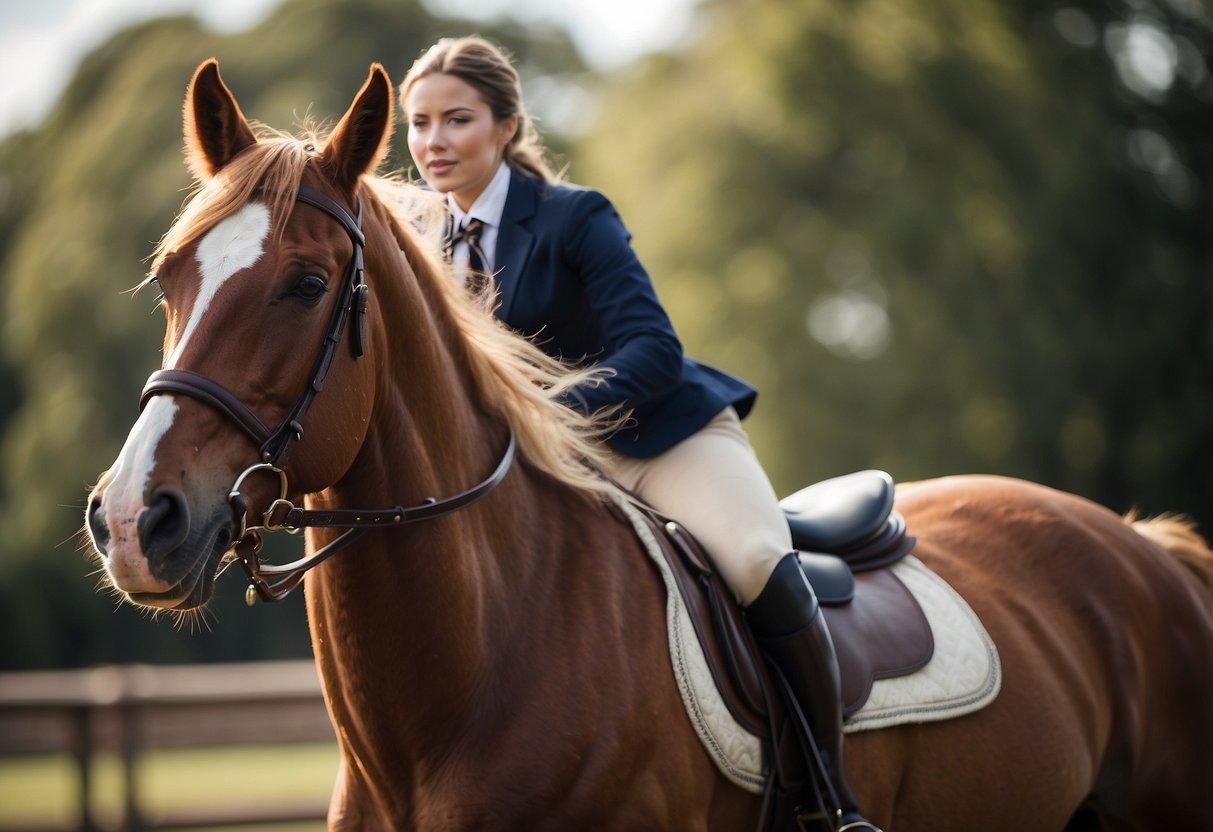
271 582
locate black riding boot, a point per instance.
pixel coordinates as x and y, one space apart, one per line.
791 631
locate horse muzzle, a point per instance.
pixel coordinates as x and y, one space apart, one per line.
161 554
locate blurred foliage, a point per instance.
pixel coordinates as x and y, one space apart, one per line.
941 237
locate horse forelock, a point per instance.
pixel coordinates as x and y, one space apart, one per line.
270 170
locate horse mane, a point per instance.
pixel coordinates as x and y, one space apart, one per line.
518 379
525 384
1178 535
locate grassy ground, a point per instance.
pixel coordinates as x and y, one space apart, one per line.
45 789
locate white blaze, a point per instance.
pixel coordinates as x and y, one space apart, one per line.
130 472
231 246
234 244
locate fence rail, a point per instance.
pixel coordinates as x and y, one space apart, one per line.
131 709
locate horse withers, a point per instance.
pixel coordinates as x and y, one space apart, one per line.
494 665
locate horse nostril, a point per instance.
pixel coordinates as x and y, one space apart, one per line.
164 526
96 524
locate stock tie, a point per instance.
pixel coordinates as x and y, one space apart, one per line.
469 234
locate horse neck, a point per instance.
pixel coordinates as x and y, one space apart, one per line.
406 606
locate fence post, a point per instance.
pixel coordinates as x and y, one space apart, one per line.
82 751
128 744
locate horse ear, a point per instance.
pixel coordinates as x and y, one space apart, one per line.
360 139
215 129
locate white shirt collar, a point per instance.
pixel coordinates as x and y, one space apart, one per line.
490 205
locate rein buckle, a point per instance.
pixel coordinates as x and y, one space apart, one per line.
280 508
240 507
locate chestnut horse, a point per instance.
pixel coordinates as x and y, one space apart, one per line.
496 659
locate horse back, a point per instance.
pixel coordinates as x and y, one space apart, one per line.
1105 638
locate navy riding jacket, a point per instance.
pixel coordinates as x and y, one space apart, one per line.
568 277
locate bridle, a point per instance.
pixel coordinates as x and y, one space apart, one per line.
273 582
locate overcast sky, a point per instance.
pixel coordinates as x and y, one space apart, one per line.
41 41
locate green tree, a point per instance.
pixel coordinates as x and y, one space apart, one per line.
940 237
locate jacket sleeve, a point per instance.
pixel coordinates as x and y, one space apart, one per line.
640 346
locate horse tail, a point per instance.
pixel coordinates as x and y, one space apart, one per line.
1178 535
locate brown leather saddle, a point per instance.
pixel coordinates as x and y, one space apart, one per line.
847 534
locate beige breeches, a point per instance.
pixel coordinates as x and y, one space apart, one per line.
713 484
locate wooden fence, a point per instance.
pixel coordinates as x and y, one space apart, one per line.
131 709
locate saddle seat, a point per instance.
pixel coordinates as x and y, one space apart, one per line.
845 525
840 514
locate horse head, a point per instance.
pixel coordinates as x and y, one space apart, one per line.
261 282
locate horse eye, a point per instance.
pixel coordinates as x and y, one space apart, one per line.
311 287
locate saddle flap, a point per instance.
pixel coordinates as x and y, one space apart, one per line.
728 646
881 634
